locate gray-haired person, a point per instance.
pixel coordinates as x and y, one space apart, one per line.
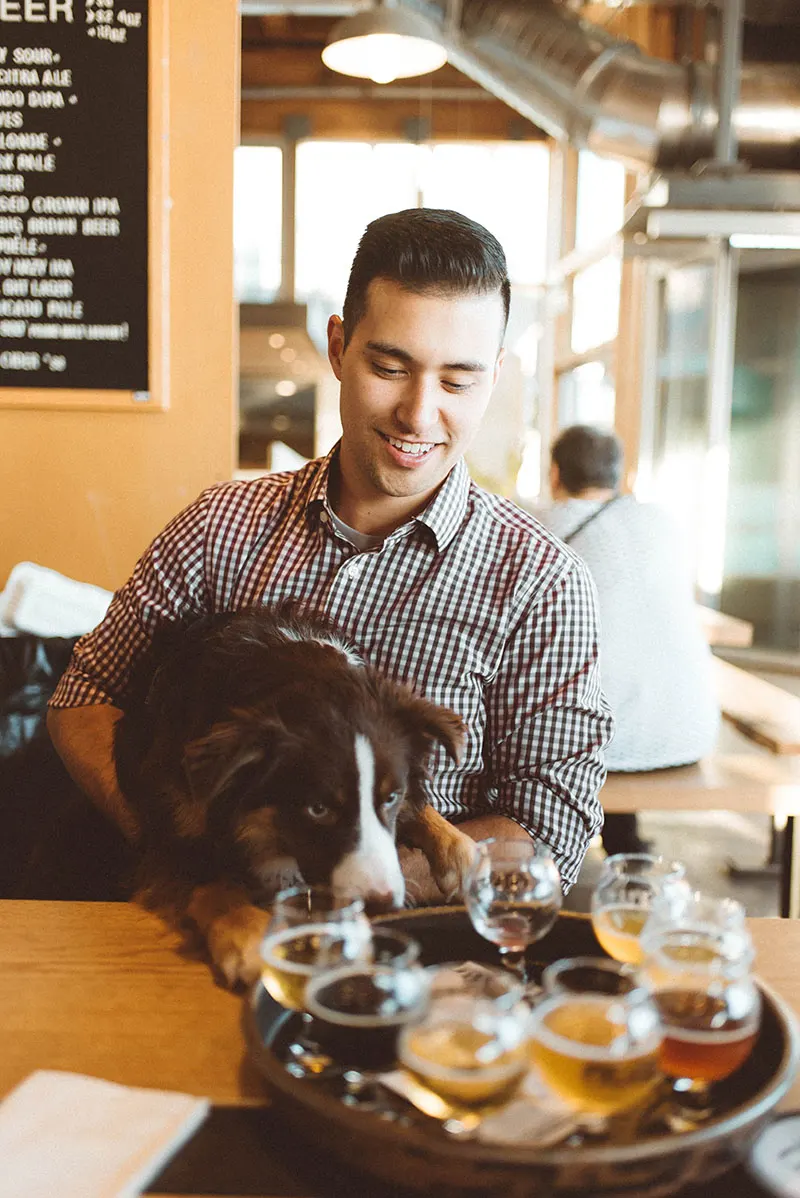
655 663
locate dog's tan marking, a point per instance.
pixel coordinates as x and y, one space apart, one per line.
233 929
450 853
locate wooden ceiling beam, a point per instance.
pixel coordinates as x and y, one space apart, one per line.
388 120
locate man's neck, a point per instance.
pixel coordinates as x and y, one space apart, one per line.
591 493
374 515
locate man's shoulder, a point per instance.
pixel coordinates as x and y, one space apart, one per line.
263 494
522 533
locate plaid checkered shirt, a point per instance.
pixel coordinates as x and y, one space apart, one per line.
472 603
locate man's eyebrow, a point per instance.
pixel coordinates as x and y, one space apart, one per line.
394 351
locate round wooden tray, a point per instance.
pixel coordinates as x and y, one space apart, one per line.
423 1156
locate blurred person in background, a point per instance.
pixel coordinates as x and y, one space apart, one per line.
655 663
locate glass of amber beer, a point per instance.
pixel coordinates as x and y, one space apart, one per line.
595 1037
623 898
709 1004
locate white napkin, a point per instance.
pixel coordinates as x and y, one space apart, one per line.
79 1137
47 603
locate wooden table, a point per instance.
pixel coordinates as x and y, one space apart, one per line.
724 632
104 989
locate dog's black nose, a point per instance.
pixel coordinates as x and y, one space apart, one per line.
379 904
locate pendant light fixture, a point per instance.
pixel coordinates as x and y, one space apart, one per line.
384 43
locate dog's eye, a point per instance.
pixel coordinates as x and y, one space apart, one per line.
320 813
394 797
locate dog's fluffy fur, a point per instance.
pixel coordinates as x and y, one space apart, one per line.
257 751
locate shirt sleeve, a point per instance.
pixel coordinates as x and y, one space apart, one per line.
548 722
167 586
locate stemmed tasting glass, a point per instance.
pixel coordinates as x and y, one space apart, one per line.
595 1038
513 896
311 927
628 887
468 1048
699 968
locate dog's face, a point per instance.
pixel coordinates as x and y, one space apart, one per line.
319 774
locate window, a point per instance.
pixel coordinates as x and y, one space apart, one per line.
257 223
601 200
342 186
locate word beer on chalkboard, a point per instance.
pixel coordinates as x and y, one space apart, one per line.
74 194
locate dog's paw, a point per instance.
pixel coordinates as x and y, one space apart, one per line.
234 942
452 860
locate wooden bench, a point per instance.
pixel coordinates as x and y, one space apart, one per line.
738 776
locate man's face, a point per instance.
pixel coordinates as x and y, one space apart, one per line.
415 379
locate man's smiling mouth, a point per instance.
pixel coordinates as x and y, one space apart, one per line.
416 449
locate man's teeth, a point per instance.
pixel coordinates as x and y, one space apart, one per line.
415 448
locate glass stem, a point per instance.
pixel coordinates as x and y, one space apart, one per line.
514 960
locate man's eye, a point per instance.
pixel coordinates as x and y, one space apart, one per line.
453 386
320 813
387 372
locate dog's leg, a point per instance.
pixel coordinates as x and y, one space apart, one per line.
450 853
232 927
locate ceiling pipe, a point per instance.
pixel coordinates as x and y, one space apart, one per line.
579 83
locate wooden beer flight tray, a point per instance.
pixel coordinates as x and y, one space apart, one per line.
420 1154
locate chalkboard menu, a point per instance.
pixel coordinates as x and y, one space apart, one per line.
73 194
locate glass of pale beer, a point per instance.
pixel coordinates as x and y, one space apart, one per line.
626 891
709 1004
513 896
469 1050
311 928
595 1038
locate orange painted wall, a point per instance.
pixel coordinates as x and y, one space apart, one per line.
84 492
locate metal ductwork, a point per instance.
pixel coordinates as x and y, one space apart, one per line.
577 82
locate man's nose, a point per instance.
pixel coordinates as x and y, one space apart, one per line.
418 410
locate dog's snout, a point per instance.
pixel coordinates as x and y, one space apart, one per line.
378 904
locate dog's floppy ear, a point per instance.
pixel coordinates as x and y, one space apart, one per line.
211 763
428 724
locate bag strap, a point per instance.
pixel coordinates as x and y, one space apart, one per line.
585 523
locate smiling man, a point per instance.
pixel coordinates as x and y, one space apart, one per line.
447 588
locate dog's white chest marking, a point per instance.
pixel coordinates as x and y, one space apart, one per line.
372 868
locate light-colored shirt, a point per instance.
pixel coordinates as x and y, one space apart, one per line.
656 667
471 603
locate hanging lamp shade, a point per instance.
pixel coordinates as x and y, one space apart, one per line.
383 44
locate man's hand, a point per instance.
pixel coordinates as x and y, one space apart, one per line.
421 890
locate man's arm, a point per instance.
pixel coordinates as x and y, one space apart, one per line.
84 739
167 586
547 720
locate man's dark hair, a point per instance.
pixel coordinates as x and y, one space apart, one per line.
426 250
587 457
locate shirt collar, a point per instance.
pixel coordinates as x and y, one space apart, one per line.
445 512
442 516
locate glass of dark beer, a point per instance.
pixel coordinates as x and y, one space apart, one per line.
359 1008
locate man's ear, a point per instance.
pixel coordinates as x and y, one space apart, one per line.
212 762
336 345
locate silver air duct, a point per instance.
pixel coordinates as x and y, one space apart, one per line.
578 82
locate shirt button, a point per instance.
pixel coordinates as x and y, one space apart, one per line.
354 570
